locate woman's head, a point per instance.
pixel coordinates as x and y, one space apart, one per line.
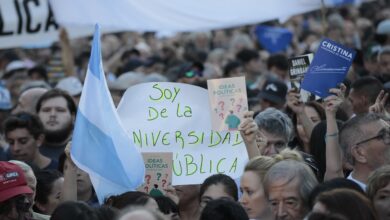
315 112
167 207
378 190
74 210
133 198
345 202
48 192
253 199
217 186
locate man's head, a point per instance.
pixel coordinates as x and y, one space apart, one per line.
30 178
278 65
287 187
273 94
384 62
57 111
24 134
277 128
28 100
363 94
13 192
251 61
365 141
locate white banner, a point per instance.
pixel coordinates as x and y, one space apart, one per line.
31 23
176 15
174 117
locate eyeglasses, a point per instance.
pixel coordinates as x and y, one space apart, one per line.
384 134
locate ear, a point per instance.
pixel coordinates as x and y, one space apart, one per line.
359 154
40 139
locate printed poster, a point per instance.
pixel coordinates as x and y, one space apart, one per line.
158 172
297 67
329 68
228 102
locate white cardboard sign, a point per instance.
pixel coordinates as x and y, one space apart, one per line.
175 117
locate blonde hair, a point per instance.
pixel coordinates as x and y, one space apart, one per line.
261 164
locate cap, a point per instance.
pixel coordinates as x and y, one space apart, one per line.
383 27
126 80
13 66
274 90
5 99
12 181
70 84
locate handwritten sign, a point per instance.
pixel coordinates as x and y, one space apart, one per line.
158 173
228 102
175 117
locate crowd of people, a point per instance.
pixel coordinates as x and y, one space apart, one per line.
321 159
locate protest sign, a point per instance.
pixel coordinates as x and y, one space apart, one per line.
273 39
175 117
158 172
177 15
328 68
31 24
228 102
297 68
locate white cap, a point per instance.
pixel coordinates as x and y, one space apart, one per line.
71 84
383 27
15 65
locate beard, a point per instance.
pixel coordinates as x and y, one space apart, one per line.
59 136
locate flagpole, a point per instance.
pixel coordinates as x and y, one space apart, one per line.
323 17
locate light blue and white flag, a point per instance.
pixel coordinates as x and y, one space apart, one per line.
100 144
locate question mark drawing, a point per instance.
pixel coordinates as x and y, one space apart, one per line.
158 176
221 104
163 182
232 100
146 189
147 177
221 115
238 108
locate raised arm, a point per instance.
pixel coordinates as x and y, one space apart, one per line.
298 107
249 130
69 189
334 161
66 53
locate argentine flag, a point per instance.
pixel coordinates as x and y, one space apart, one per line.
100 144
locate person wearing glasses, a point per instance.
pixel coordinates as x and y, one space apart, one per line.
24 133
365 141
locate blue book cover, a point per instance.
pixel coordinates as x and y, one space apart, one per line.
328 68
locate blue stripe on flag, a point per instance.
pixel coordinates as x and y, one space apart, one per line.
98 151
100 145
94 60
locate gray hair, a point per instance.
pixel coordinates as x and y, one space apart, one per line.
287 171
24 166
275 122
352 131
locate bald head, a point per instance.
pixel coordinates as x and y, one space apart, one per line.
28 100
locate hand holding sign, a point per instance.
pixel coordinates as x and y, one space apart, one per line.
249 133
333 102
294 102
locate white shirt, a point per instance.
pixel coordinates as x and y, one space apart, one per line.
361 184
